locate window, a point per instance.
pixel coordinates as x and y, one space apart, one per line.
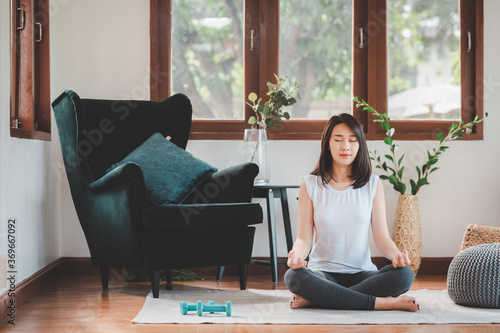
315 49
334 49
423 59
30 84
207 56
372 18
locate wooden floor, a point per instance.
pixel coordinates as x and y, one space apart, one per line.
77 304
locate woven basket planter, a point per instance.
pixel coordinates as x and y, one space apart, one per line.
474 276
407 231
480 234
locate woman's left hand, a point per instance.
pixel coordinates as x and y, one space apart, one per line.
401 259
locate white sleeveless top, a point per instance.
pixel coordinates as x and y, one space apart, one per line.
342 222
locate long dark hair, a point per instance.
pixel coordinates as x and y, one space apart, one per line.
361 167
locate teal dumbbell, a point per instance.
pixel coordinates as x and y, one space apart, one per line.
212 307
211 303
188 307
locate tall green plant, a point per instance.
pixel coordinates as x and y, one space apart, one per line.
394 171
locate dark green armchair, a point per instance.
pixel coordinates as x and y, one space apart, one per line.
122 226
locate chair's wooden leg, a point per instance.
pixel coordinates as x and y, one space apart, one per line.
220 272
155 283
243 276
169 275
104 277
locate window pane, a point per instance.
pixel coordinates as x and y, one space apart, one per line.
315 50
423 59
207 56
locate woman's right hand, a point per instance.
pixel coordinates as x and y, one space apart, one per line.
295 262
401 259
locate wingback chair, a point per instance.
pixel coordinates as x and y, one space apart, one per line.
124 228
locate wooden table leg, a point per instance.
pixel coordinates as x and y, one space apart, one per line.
271 224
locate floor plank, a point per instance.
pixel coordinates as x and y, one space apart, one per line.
77 304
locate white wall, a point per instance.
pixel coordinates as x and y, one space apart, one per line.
465 190
28 190
100 49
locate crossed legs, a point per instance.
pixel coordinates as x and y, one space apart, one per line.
361 291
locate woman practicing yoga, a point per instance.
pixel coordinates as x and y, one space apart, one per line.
338 202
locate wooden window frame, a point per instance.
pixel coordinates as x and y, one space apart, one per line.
30 70
369 15
369 72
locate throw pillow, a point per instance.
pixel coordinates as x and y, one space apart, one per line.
170 173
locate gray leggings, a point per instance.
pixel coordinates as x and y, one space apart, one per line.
348 291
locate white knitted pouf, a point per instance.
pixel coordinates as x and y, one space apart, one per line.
474 276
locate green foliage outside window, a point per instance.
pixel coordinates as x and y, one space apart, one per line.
315 45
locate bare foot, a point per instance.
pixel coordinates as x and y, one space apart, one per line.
405 303
297 302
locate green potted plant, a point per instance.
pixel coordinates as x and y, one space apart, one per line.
271 113
406 231
267 114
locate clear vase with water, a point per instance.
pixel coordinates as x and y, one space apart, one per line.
255 141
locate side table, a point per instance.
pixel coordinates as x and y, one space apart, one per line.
270 192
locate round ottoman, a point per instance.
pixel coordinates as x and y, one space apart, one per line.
474 276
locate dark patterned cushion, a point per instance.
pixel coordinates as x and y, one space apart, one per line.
474 276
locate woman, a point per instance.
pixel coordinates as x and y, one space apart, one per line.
338 202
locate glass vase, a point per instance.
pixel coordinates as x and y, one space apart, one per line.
255 141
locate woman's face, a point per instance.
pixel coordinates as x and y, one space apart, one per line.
344 145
